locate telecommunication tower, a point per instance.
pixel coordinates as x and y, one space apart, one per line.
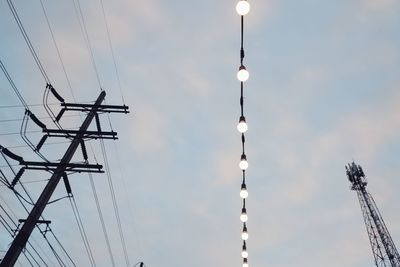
383 247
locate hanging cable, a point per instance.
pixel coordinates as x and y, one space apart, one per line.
242 9
10 230
28 41
112 51
10 80
103 225
114 201
57 48
84 31
82 230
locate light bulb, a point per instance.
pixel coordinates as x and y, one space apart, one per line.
245 264
245 254
245 235
243 216
243 74
243 7
243 164
244 193
242 126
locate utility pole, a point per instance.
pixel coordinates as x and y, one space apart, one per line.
24 233
383 248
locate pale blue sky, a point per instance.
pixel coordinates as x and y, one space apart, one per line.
323 90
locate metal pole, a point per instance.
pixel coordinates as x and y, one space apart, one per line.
23 235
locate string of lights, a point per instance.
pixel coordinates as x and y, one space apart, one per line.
242 8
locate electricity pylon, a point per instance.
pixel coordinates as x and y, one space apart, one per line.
383 247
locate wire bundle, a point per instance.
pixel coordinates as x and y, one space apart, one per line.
242 9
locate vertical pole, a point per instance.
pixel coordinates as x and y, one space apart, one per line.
23 235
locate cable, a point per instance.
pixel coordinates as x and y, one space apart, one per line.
82 25
112 51
57 49
28 41
40 118
33 239
114 201
103 226
82 230
10 80
11 231
130 205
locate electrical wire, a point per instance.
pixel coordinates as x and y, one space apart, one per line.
99 212
36 244
84 31
112 50
82 230
12 233
114 201
131 207
28 41
10 80
57 48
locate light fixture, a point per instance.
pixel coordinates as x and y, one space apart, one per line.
245 254
242 126
243 216
243 74
243 164
242 7
245 263
243 191
245 235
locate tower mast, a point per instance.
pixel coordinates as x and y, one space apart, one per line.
383 247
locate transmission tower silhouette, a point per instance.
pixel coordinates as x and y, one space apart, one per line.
383 247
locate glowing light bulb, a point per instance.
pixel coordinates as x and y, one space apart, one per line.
242 7
243 164
243 191
243 74
245 235
243 216
242 126
245 254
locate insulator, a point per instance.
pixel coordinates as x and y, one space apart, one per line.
9 154
37 121
56 95
17 177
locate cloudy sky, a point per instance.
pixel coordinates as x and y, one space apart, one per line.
323 91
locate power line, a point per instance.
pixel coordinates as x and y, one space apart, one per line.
33 239
112 50
10 80
103 226
82 230
84 31
114 202
28 41
57 49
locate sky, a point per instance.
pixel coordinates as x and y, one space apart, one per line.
323 91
